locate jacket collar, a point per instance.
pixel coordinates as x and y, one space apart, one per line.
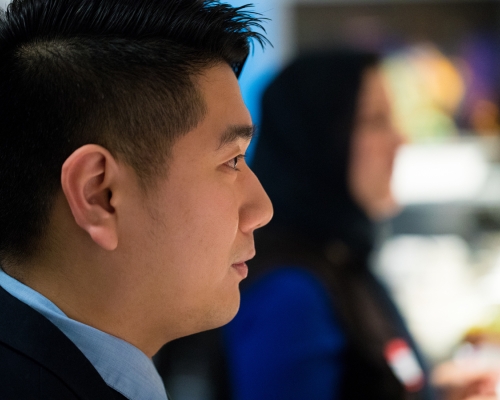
30 333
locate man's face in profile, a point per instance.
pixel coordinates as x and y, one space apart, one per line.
191 234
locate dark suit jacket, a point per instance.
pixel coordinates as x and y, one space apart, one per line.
37 361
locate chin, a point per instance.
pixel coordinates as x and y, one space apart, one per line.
386 207
218 313
222 313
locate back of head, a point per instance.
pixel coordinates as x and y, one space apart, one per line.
302 155
117 73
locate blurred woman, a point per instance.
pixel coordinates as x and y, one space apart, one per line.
314 323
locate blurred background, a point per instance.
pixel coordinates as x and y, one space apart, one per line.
441 256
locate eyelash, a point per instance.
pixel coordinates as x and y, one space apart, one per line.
235 161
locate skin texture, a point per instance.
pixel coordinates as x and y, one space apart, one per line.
152 266
375 141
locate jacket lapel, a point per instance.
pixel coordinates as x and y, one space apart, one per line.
30 333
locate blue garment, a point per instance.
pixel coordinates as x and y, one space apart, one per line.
285 342
121 365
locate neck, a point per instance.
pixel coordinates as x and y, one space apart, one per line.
93 293
108 290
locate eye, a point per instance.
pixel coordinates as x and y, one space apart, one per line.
233 162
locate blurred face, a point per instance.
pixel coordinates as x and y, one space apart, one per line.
375 141
193 232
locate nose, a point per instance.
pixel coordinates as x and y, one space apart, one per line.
257 209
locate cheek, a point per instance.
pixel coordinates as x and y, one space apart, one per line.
205 248
205 222
376 156
372 165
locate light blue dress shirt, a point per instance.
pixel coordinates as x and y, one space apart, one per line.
121 365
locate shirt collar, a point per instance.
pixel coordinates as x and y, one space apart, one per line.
121 365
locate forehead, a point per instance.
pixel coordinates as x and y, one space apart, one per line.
221 92
373 90
226 118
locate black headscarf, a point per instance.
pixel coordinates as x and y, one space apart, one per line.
302 158
302 153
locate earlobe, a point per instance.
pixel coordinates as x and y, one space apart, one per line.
87 180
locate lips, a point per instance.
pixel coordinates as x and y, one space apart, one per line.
242 269
243 260
241 266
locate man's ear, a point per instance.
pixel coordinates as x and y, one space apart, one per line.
87 178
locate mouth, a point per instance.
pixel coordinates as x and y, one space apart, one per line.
242 269
241 266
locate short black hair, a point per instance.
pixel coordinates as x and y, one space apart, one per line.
118 73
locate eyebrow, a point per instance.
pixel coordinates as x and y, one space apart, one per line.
235 132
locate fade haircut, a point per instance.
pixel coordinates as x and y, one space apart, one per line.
117 73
